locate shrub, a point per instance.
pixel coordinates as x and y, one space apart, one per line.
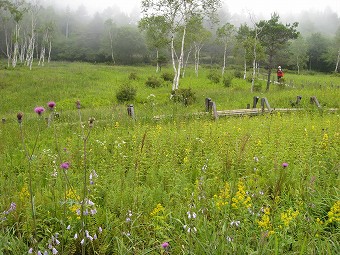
185 96
214 77
167 76
153 82
133 76
126 93
238 74
227 80
257 85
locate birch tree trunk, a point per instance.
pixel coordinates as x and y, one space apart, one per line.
180 62
16 45
224 58
186 63
337 62
298 64
157 64
49 51
8 48
254 67
111 45
197 57
173 64
42 56
31 45
245 65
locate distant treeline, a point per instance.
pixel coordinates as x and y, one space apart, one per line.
31 34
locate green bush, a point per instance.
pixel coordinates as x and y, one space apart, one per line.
227 80
153 82
167 76
185 96
258 85
214 77
238 74
126 93
133 76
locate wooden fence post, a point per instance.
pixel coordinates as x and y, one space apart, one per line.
207 104
214 110
298 99
313 100
264 101
255 100
131 111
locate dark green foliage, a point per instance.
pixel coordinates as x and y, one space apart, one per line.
126 93
167 76
238 74
185 96
153 82
214 77
257 85
227 80
133 76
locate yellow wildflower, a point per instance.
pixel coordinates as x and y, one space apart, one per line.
334 213
223 198
241 197
288 216
159 208
24 193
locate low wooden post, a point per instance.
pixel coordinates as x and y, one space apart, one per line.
264 101
255 100
214 110
298 99
131 111
313 100
207 104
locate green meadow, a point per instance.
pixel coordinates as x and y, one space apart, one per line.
88 178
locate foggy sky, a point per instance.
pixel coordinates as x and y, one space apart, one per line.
256 7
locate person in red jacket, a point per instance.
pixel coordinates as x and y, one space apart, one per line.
279 74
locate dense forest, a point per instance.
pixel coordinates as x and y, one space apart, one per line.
34 33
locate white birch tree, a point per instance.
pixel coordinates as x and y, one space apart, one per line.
177 14
225 35
157 34
299 53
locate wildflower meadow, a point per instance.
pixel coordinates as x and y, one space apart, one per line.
79 175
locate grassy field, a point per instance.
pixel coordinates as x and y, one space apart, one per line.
92 180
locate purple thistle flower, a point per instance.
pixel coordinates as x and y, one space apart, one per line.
284 165
39 110
51 105
65 165
78 104
19 116
165 245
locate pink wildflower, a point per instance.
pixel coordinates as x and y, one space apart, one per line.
65 165
165 245
51 105
39 110
284 165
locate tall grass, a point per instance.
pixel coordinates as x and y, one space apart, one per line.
184 184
